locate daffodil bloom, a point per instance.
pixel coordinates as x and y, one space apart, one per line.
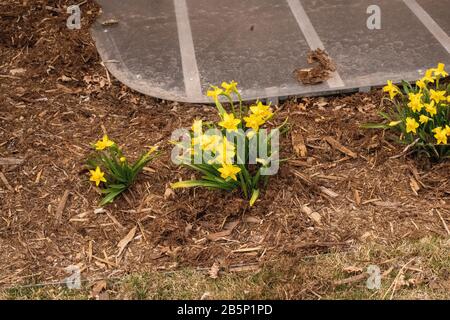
229 171
421 84
423 119
392 89
207 142
447 130
261 110
254 121
439 71
411 125
415 102
394 123
197 126
437 96
428 77
250 134
230 87
214 93
122 159
97 176
440 135
448 99
431 109
225 152
104 143
229 122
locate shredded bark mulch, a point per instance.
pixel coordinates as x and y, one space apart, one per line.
340 186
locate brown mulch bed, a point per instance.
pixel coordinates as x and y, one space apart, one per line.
62 101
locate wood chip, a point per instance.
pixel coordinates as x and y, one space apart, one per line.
337 145
357 197
328 192
414 185
10 161
314 216
244 250
61 206
5 182
443 222
245 268
298 143
125 241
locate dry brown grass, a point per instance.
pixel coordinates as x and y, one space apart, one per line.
427 276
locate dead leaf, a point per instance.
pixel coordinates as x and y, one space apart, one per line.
253 220
126 240
321 102
218 235
214 271
65 78
97 288
168 194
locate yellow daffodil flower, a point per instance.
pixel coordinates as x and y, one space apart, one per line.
447 130
197 126
411 125
428 77
97 176
394 123
423 119
261 110
229 122
122 159
437 96
207 142
250 134
254 121
225 152
230 87
440 135
415 101
448 99
392 89
439 71
229 171
421 84
214 93
431 109
104 143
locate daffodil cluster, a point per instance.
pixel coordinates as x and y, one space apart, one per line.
110 168
422 112
213 147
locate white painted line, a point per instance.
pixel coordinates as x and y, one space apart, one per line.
188 60
312 37
429 23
